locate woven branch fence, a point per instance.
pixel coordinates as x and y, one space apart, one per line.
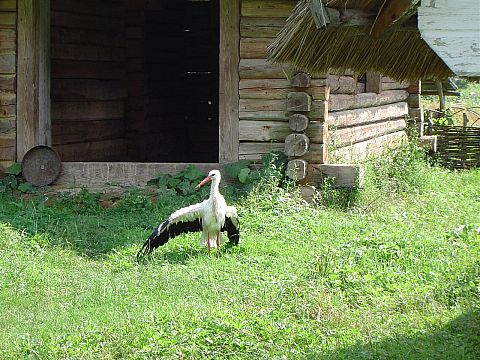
458 147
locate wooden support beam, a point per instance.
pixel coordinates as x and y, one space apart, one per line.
428 142
374 82
228 98
344 175
33 70
394 14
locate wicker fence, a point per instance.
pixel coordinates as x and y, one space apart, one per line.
457 146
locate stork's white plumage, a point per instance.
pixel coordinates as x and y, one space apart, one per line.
211 216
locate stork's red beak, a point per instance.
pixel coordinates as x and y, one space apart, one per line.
204 181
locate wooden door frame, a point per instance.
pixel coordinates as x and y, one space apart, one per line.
229 59
33 75
34 79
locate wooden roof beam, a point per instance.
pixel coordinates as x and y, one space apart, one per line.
394 14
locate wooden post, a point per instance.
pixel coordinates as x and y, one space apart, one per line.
33 75
229 58
421 126
374 82
441 95
465 120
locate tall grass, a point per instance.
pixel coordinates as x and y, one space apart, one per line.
391 272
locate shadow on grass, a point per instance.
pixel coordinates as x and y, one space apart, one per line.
458 339
182 256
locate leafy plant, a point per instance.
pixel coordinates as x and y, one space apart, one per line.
183 183
273 165
14 181
241 171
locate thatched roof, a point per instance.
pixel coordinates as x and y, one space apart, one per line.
400 53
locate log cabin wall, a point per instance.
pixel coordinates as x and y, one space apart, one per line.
363 124
8 118
270 95
88 70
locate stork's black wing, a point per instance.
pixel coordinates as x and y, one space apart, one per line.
166 231
232 226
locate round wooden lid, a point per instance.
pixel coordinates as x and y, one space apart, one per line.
41 165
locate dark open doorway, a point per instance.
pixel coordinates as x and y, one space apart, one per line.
181 73
135 81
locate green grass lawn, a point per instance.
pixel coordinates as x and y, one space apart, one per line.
390 272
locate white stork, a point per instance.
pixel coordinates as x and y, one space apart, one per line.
211 216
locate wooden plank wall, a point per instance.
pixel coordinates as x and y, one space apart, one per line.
8 118
88 70
363 124
264 88
135 81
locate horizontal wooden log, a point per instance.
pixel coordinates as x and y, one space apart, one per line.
122 173
271 8
277 131
298 122
255 150
353 117
261 27
343 175
88 110
296 145
101 8
8 98
87 53
297 169
254 48
264 115
300 80
273 89
341 84
351 135
340 102
104 150
8 5
85 37
8 20
88 89
299 101
7 63
8 125
8 40
7 111
261 69
8 145
390 84
8 83
372 147
316 154
64 132
74 69
82 21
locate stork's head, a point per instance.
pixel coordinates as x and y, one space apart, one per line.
213 175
